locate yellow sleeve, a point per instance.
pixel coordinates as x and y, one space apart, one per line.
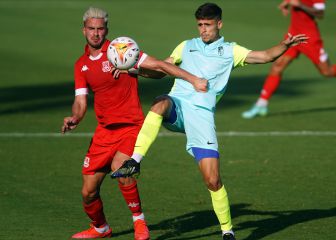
239 55
177 53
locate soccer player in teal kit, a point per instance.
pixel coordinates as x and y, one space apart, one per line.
185 110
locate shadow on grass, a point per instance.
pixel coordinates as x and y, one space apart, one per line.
269 222
277 220
47 97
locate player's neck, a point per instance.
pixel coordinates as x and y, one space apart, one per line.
94 52
213 40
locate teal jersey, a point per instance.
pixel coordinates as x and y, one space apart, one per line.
213 62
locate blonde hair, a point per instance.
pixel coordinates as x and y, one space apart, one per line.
93 12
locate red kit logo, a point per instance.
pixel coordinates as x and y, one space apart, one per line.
106 67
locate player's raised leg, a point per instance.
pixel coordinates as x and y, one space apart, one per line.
93 207
327 69
146 137
272 82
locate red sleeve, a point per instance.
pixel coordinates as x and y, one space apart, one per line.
80 81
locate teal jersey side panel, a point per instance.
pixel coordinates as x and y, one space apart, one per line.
213 62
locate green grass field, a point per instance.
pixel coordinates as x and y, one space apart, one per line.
281 186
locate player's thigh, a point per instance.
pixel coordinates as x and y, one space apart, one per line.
200 128
316 53
281 64
124 147
118 160
98 157
127 137
209 167
162 105
173 119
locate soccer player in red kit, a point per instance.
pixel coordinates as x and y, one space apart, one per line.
119 115
303 15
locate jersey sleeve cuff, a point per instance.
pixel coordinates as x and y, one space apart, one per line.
81 91
142 58
319 6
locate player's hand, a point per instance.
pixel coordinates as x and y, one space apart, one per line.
294 3
69 123
201 85
284 7
133 71
295 40
116 72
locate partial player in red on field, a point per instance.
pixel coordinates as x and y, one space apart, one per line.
303 20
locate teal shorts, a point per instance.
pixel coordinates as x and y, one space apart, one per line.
197 123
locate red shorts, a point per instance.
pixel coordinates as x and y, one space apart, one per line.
313 49
105 142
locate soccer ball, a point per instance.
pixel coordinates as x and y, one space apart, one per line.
123 53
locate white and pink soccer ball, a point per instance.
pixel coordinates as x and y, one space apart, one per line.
123 53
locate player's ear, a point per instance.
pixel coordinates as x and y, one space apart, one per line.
83 28
219 24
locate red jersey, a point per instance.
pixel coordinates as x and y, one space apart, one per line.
116 101
302 22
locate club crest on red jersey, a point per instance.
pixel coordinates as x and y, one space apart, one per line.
106 66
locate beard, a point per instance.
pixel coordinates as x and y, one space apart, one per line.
95 45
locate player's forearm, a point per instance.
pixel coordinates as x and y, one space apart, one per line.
175 71
275 52
78 111
266 56
151 73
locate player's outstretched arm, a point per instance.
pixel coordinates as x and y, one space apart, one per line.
270 55
153 64
148 73
78 111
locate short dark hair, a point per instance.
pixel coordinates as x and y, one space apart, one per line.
209 11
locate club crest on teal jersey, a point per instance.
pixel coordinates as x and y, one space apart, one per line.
220 50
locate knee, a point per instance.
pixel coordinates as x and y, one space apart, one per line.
89 195
326 73
326 69
280 65
213 183
160 105
277 68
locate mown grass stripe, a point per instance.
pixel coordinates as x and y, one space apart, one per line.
171 134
